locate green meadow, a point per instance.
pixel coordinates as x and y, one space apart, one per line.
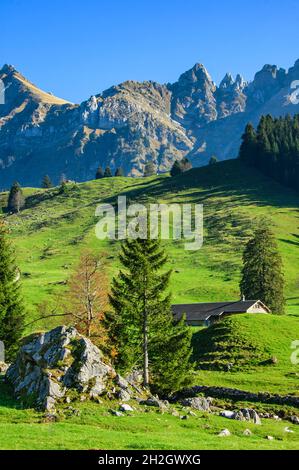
52 230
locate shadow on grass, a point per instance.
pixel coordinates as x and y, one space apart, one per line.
7 399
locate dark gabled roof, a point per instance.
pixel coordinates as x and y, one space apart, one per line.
202 311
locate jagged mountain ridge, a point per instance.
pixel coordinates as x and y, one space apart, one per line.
132 123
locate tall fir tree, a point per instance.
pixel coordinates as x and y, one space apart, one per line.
46 182
108 172
248 145
213 160
99 173
180 166
176 169
11 304
185 164
119 172
149 169
143 326
15 198
262 276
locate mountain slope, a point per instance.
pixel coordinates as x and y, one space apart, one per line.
132 123
53 228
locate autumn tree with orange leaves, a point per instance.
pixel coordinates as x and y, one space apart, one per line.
87 298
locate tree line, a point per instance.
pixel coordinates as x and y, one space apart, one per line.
273 148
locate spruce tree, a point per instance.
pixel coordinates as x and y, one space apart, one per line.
185 164
248 145
143 326
62 179
108 172
99 173
46 182
262 276
213 160
15 198
149 169
11 305
180 166
176 169
119 172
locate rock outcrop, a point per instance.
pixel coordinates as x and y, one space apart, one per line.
51 367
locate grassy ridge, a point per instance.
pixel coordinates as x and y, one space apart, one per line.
50 232
248 343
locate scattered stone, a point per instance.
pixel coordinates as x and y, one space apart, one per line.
224 433
245 414
74 411
191 413
3 367
125 407
116 413
294 419
227 414
153 401
50 418
184 417
286 429
273 360
68 400
247 432
198 403
82 398
175 413
270 438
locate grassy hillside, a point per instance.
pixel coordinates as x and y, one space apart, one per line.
96 428
52 229
249 343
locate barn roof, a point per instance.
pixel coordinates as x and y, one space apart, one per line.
202 311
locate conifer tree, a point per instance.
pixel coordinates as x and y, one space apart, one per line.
46 182
62 179
213 160
143 326
185 164
15 198
176 169
149 169
180 166
247 149
262 276
99 173
11 305
119 172
108 172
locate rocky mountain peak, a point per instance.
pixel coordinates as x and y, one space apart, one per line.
227 81
193 101
7 68
240 83
266 84
293 72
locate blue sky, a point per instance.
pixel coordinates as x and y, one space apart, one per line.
78 48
